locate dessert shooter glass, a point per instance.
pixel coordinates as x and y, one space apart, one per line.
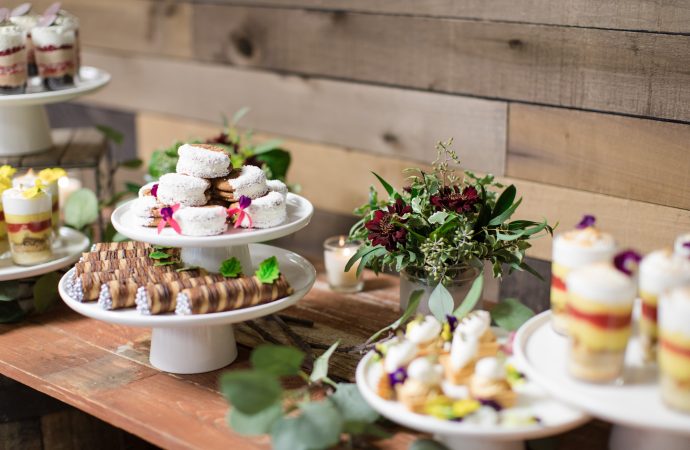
674 348
572 250
13 60
28 219
70 21
600 304
49 179
54 47
27 22
337 251
659 271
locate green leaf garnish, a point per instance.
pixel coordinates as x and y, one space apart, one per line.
231 268
268 270
165 263
158 254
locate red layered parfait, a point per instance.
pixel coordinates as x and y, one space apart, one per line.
13 62
28 217
22 17
55 48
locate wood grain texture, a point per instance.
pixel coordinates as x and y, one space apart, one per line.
615 71
395 122
649 15
620 156
141 26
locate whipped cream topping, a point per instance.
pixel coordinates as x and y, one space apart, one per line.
14 202
25 22
577 248
602 282
674 311
399 354
463 350
11 37
490 369
474 324
662 269
423 331
425 371
53 36
679 247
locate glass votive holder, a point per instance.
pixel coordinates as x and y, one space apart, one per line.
337 251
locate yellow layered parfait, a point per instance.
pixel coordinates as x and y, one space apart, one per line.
659 271
572 250
674 347
28 219
49 179
599 309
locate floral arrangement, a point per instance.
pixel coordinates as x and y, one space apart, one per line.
442 223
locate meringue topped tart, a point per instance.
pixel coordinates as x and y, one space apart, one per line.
674 347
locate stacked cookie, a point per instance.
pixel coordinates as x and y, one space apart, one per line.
205 185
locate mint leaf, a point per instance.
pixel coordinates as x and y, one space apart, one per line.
320 370
319 426
268 270
159 255
279 360
254 424
510 314
231 268
250 391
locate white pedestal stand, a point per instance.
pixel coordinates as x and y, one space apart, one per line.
642 420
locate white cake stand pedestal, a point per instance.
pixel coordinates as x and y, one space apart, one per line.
24 127
205 342
642 420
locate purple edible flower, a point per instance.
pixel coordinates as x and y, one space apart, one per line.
452 322
626 261
397 377
586 222
154 190
491 403
167 212
245 202
686 245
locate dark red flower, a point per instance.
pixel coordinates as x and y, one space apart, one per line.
453 199
384 228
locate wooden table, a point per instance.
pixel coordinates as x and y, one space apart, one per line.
103 369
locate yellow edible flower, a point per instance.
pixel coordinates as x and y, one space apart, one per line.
34 191
7 171
5 183
446 334
50 175
461 408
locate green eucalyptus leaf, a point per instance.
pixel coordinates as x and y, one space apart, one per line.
410 311
46 291
472 297
317 427
81 208
10 290
389 189
504 201
278 162
440 302
231 268
438 217
250 391
427 444
111 134
255 424
505 215
510 314
279 360
11 312
351 404
320 370
268 270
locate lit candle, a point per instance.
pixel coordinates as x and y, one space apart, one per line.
337 252
67 186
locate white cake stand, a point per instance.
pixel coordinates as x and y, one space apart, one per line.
24 127
643 421
72 244
555 417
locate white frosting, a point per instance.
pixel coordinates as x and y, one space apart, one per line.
426 330
187 191
424 371
14 202
67 20
679 248
29 180
463 350
661 270
145 190
251 183
25 22
455 391
277 186
11 37
490 369
144 206
202 221
578 248
674 311
266 212
475 324
604 283
53 35
202 162
399 354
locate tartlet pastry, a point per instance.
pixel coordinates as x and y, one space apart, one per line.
203 160
477 324
489 383
424 331
459 364
423 380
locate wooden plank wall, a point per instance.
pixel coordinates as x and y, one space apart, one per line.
584 104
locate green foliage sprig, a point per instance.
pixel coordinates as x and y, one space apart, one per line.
22 297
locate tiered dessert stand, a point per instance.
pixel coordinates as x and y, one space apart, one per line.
554 416
205 342
24 127
634 405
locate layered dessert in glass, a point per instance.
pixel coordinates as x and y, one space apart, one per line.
54 46
600 303
13 60
5 184
28 218
27 22
49 182
571 250
674 347
71 22
659 271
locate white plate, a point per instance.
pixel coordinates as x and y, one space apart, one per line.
555 417
542 354
73 243
298 271
299 212
90 79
